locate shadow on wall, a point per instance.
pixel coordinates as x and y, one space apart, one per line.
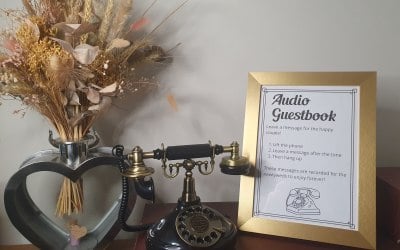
146 82
111 125
388 137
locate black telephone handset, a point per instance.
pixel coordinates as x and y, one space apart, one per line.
191 225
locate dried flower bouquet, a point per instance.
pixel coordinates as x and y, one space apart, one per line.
68 59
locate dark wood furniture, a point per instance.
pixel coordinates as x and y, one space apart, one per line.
244 241
388 216
247 241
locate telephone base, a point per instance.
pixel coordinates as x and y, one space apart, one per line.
192 226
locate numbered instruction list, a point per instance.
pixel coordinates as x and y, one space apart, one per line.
307 155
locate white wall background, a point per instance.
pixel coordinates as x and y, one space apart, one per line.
221 42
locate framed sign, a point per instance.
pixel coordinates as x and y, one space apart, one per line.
310 138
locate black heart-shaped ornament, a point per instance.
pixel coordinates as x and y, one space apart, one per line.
35 226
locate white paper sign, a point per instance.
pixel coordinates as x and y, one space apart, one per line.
307 155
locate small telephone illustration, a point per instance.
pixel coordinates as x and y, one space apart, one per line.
300 201
191 225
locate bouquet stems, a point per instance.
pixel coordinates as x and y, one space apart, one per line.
70 198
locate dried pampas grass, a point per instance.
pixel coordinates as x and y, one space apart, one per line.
69 59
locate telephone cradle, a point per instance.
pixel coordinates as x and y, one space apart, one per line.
190 225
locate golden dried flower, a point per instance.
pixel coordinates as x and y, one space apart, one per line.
69 59
38 59
27 35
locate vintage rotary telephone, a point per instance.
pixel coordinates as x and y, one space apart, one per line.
191 225
300 201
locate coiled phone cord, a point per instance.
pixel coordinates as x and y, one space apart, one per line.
118 151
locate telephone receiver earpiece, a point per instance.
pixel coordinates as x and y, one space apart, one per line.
239 166
234 164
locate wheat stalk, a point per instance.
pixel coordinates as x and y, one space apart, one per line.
87 10
75 8
28 6
120 19
106 22
87 15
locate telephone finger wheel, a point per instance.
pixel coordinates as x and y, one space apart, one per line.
198 226
299 202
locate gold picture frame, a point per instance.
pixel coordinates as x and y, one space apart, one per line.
297 223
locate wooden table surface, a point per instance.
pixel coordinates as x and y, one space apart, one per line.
250 241
116 244
244 240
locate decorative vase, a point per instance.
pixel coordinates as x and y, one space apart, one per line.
71 160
